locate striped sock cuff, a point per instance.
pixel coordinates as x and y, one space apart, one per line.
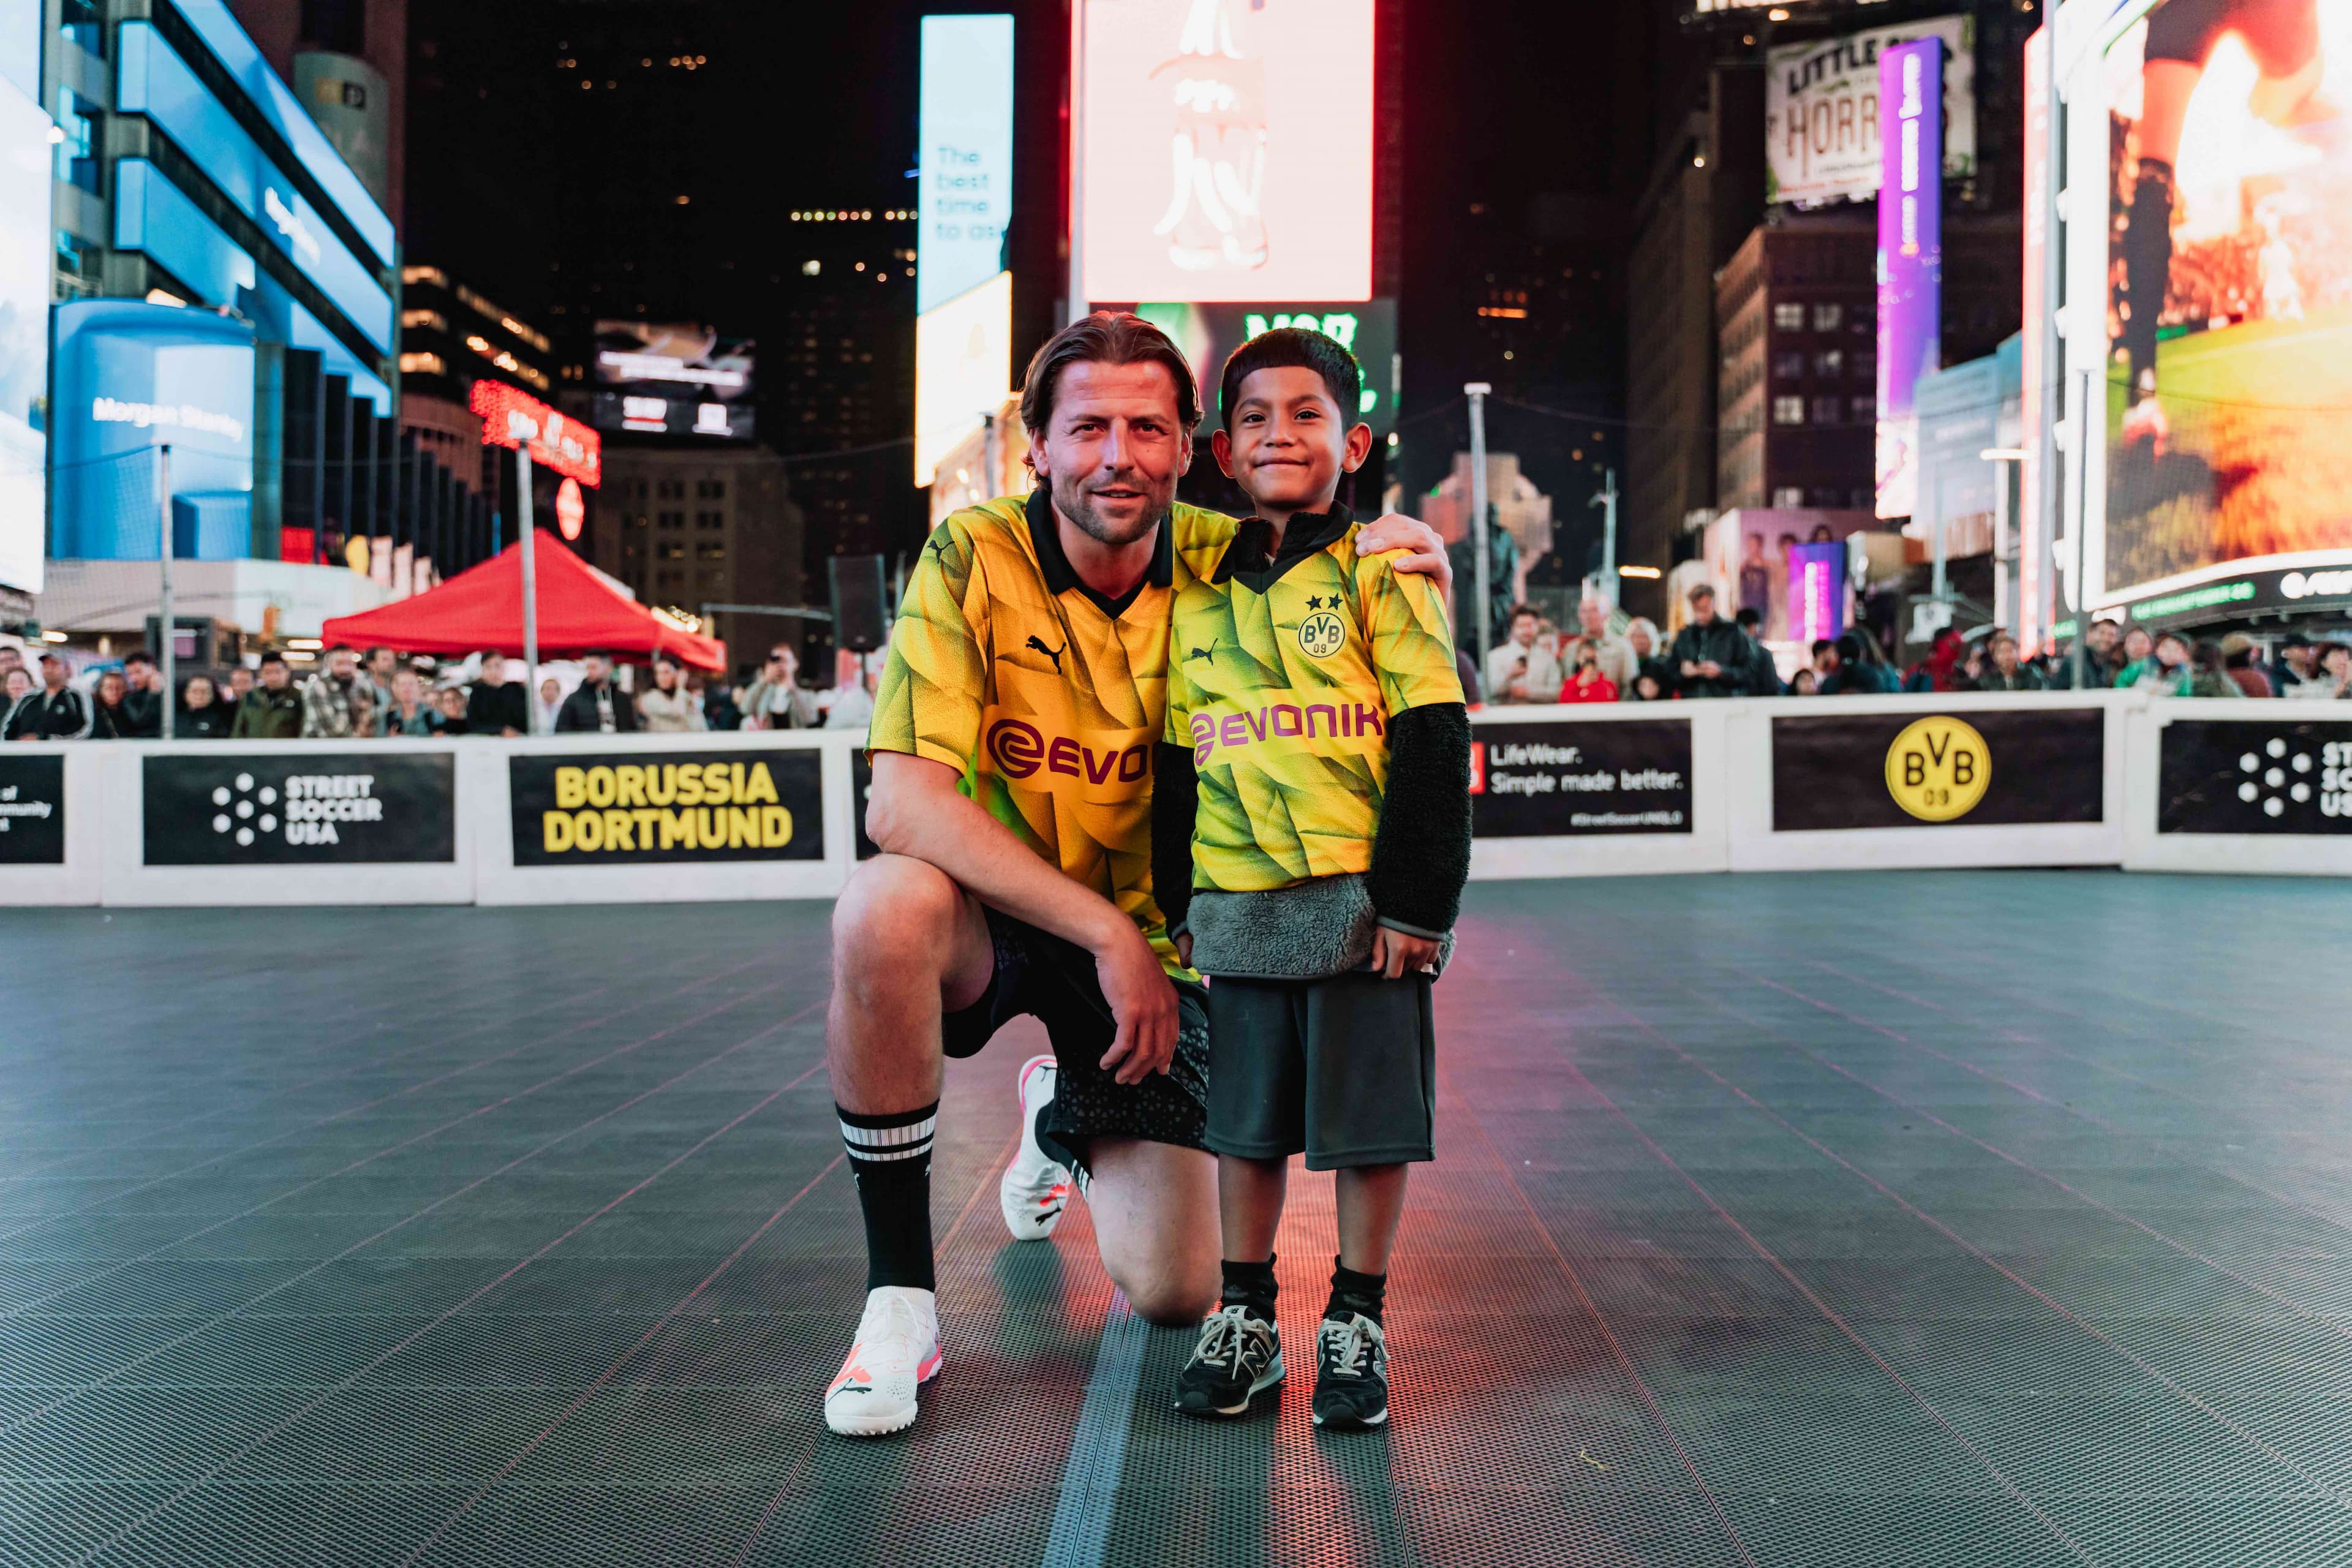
890 1135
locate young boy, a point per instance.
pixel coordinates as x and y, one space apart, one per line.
1310 838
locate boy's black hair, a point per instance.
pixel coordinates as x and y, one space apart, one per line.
1285 346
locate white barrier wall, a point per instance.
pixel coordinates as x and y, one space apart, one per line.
2260 787
1782 784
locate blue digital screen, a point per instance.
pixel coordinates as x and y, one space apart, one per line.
25 258
156 82
964 184
130 377
154 216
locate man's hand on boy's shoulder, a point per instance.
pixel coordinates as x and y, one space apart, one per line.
1396 954
1426 555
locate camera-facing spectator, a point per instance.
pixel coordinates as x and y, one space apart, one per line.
111 718
451 701
2238 661
1613 653
56 712
1710 657
15 684
327 698
2004 671
142 696
241 681
667 710
497 706
273 710
598 706
410 714
776 698
1586 682
1522 668
1649 659
1763 675
1804 683
2140 656
200 714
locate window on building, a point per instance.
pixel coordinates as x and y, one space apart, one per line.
1826 410
710 519
710 489
710 550
1788 365
1788 410
671 489
1828 316
77 160
669 581
82 25
670 549
1830 362
1866 364
1789 495
673 519
1789 317
1865 410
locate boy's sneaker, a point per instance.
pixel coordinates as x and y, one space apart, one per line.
1036 1190
1351 1373
1237 1357
897 1351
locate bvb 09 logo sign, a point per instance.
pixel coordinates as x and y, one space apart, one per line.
1320 634
1938 769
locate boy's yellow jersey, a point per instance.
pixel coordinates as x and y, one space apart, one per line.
1047 698
1282 682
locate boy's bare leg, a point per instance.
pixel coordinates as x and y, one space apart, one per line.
1371 1201
1250 1195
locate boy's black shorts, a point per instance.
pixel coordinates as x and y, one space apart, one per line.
1054 980
1343 1069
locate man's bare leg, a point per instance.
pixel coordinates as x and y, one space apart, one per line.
1155 1214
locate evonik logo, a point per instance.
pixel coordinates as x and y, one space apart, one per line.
1020 749
1283 720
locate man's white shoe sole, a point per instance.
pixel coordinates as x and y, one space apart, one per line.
870 1423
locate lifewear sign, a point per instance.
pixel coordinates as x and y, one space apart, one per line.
1574 780
638 807
1995 766
2215 776
324 808
32 811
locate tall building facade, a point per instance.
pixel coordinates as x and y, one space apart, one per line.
1796 396
689 528
451 337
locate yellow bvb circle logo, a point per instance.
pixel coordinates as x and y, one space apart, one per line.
1321 633
1938 769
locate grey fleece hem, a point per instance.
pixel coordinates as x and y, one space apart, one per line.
1308 931
1415 930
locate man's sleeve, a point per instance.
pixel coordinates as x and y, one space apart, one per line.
928 702
1412 643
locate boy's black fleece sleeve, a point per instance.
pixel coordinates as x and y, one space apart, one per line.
1175 800
1420 856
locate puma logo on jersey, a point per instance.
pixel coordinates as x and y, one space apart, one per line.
1209 653
1053 653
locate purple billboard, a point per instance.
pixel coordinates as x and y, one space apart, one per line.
1910 256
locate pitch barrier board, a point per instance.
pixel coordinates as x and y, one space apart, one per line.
322 808
1564 780
1991 767
32 811
623 808
2219 775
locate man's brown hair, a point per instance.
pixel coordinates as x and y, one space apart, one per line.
1698 591
1106 337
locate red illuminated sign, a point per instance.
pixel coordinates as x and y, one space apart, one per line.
570 511
511 417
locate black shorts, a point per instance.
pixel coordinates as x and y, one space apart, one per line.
1053 982
1343 1070
2281 34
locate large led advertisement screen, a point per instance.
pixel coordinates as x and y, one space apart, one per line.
2228 477
964 157
674 379
962 350
1821 112
1209 333
24 263
1226 150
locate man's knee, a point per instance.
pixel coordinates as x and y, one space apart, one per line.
894 911
1169 1294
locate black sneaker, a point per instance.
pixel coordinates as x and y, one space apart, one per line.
1351 1373
1238 1356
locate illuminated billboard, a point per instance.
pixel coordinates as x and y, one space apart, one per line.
2226 479
676 379
25 264
1224 149
512 417
1821 112
963 351
1910 260
964 157
1209 333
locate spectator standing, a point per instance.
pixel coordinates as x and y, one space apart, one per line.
1805 683
1763 674
273 710
2208 674
1854 673
111 718
2100 654
12 659
2238 661
2140 656
382 666
2300 663
200 715
2166 669
452 703
56 712
1586 683
1613 653
1522 668
2006 672
1710 657
327 698
550 704
1649 659
142 696
241 681
1754 583
2334 681
776 700
15 684
667 710
410 714
850 704
598 707
497 706
719 710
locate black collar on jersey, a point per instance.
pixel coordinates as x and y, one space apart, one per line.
1307 532
1061 576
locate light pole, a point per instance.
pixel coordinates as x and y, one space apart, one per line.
1477 391
165 659
530 584
1607 501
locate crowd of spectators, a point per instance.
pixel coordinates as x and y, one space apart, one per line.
1711 657
382 695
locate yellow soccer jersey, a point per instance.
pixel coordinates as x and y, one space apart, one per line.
1283 683
1045 697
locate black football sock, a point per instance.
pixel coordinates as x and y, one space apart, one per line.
1250 1285
1352 1293
890 1156
2147 268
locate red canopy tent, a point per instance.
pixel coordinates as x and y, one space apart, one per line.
481 609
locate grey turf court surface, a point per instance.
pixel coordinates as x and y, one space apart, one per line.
1991 1219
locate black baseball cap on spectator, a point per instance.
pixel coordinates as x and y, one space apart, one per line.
2294 639
273 657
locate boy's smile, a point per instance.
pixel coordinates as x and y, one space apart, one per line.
1287 442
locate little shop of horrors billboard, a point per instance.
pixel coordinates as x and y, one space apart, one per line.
622 809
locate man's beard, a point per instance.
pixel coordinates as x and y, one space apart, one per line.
1072 500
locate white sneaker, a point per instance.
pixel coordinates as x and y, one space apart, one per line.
1034 1190
897 1351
